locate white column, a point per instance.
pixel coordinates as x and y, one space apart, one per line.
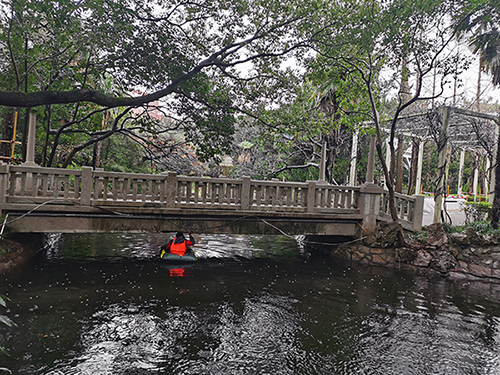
30 151
387 159
322 166
418 180
461 171
474 186
30 155
440 189
370 168
486 180
354 154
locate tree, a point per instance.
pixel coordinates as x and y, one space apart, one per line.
479 22
369 39
184 54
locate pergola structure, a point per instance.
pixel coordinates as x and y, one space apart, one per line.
453 128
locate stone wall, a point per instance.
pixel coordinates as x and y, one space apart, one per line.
459 255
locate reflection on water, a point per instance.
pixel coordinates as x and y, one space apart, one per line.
251 305
127 245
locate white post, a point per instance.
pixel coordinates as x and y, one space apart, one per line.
387 158
441 185
30 151
322 166
474 186
354 153
418 182
486 180
30 155
370 168
461 171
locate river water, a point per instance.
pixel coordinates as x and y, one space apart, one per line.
105 304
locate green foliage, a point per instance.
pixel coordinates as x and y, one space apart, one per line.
121 154
69 45
477 211
483 227
449 228
479 21
419 236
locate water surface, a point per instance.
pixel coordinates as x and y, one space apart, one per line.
105 304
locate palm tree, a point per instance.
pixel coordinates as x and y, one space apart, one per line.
480 22
482 25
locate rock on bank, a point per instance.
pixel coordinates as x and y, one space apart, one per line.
459 255
18 248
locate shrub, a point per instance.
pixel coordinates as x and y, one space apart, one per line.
477 211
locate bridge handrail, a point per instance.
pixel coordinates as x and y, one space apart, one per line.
39 183
409 209
34 184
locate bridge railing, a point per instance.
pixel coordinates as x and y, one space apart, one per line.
22 184
409 209
32 184
257 195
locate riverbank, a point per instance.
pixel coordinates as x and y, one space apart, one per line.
18 248
467 255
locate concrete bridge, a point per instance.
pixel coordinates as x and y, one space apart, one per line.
39 200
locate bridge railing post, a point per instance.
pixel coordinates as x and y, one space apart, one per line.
418 212
171 189
4 181
311 196
245 193
87 181
369 204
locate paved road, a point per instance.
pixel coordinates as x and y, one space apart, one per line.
453 207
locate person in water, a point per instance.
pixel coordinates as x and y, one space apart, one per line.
178 245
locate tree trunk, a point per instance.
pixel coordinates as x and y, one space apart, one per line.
8 132
96 158
399 173
24 139
47 115
495 209
414 165
331 147
428 166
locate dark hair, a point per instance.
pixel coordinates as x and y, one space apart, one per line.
179 234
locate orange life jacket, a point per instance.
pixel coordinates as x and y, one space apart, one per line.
178 248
